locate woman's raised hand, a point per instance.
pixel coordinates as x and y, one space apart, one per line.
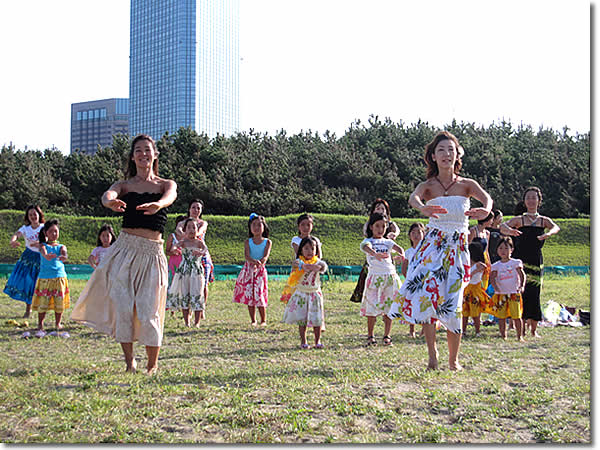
433 210
477 213
116 205
149 208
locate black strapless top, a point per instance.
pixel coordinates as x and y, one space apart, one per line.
132 218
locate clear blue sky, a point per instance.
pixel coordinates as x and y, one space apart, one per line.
319 64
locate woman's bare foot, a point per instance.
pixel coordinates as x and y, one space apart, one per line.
455 366
150 371
132 367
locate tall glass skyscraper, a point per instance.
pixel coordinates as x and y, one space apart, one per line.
184 66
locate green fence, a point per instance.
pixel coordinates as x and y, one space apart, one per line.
230 272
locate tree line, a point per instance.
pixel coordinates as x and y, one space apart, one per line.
282 174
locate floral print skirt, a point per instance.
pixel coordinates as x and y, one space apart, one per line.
475 300
504 306
435 281
305 308
51 294
251 286
381 291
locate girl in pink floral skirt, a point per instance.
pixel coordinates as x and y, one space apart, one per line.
251 287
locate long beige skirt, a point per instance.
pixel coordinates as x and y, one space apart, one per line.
125 296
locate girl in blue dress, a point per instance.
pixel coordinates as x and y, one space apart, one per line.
21 283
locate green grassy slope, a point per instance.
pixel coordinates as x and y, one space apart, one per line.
340 235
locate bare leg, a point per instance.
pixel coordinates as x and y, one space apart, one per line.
302 331
502 326
317 331
477 323
186 316
371 325
411 330
128 353
519 327
152 353
465 322
252 312
262 312
453 348
27 314
41 317
197 317
57 319
429 329
533 325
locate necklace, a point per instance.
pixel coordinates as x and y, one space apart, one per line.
446 189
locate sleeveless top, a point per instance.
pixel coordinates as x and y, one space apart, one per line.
133 218
53 268
482 241
257 251
454 219
528 248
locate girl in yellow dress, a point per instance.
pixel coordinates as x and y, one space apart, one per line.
475 298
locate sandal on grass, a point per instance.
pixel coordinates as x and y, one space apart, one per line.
304 346
319 346
371 341
387 340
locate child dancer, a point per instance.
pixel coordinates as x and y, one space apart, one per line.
382 207
171 248
416 232
251 287
106 236
52 287
21 283
305 227
508 279
303 292
475 298
382 286
187 287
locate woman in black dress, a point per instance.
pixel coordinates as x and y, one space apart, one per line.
529 231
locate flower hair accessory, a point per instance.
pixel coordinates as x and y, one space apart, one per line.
253 216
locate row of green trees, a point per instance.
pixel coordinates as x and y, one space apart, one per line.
281 174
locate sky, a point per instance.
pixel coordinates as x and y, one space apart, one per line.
319 64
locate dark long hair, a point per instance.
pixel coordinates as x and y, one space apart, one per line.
375 217
386 206
195 200
38 210
131 169
476 252
42 236
305 241
109 228
432 168
521 208
254 217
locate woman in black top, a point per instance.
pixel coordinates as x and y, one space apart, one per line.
125 296
529 232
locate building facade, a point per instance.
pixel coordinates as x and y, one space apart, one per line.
94 123
184 66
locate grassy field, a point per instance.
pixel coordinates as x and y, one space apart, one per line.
340 235
227 382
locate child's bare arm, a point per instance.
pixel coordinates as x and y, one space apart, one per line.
265 257
522 278
493 277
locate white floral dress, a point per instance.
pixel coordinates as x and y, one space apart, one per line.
439 271
305 306
382 285
187 286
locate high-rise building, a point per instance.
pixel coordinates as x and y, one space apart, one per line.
94 123
184 66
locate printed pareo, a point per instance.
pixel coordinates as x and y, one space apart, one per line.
305 306
21 283
251 286
51 294
475 300
381 291
187 286
439 271
506 306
